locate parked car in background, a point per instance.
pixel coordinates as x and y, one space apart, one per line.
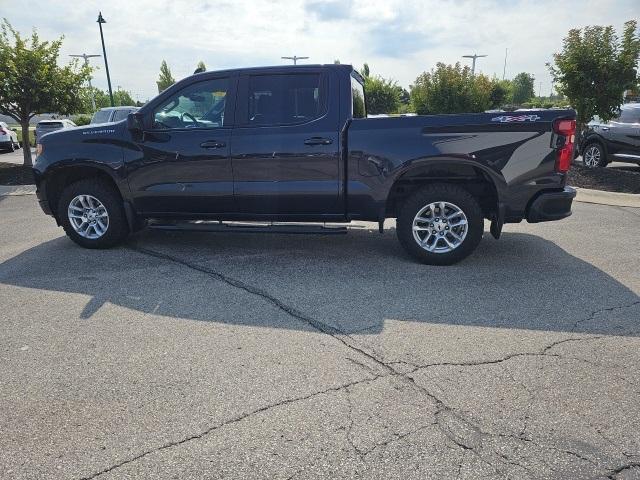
617 140
8 138
112 114
47 126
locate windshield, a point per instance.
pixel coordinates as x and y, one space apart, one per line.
47 125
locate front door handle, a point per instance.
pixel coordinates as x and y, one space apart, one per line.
318 141
213 144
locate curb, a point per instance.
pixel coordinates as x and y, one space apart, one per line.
6 190
600 197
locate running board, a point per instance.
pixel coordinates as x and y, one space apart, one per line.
243 227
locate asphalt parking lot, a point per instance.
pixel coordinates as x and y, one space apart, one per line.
307 357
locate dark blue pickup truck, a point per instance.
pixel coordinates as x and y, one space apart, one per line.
293 145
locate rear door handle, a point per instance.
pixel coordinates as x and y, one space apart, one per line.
213 144
605 128
318 141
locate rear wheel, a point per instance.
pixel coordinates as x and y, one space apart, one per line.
594 156
92 215
440 224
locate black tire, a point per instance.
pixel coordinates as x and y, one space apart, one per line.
599 156
451 194
117 228
12 147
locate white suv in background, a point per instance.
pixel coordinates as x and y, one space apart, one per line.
8 138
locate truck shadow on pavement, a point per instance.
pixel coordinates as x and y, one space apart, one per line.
354 283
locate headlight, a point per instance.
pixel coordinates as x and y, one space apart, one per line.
39 149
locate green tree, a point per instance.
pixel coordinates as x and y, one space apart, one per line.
365 70
201 67
523 88
500 94
31 81
594 69
383 95
166 79
450 89
120 98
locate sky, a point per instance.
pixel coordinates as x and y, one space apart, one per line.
399 39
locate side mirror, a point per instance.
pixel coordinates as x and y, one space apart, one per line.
135 122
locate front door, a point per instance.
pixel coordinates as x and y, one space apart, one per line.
285 147
184 167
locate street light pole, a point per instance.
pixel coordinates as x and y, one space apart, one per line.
104 53
295 59
473 65
86 62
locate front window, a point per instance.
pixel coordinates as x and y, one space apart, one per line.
629 115
357 94
200 105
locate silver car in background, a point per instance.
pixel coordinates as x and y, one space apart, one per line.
47 126
112 114
8 138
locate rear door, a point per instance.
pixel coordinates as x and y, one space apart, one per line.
285 146
624 135
184 167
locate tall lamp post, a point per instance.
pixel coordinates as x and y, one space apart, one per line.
473 65
101 20
295 59
86 62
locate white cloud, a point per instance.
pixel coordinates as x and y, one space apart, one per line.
398 38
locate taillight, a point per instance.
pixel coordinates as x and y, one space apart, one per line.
4 131
566 130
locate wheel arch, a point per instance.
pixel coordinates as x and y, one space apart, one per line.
477 179
591 139
59 178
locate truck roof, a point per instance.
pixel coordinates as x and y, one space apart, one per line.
337 66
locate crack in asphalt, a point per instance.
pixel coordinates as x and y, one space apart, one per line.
617 471
602 310
233 420
443 416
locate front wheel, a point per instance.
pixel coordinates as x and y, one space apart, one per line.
92 214
440 224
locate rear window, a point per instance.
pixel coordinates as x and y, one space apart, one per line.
101 116
120 115
284 99
50 125
357 94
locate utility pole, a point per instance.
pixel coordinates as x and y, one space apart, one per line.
86 62
473 65
504 70
295 59
100 21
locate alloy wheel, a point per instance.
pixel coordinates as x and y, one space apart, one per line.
88 216
592 156
440 227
